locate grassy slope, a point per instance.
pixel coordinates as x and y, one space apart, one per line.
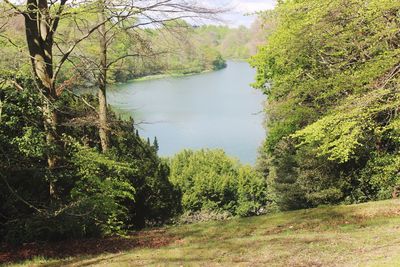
357 235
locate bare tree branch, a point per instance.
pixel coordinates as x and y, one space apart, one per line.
15 7
72 47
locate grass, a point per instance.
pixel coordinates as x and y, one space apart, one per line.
357 235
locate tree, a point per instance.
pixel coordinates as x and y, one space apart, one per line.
331 73
42 20
155 144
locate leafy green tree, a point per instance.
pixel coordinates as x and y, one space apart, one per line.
330 70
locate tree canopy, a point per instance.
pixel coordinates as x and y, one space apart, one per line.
331 70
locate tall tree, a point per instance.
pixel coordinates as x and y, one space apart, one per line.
331 70
42 20
40 29
103 127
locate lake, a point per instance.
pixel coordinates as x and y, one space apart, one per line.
210 110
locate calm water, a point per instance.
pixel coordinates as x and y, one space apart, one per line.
213 110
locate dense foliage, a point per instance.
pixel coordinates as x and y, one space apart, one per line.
210 180
331 72
94 194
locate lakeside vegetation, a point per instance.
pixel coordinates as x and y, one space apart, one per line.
72 169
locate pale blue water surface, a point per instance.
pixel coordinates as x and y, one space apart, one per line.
211 110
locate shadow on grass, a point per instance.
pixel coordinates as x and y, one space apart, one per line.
85 247
209 241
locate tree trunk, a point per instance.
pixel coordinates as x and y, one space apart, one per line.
40 43
1 108
103 123
52 139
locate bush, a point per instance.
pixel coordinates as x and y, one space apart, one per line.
252 192
211 181
203 216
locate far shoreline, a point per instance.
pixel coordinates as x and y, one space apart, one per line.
178 75
167 75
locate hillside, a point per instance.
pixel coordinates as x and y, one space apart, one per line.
356 235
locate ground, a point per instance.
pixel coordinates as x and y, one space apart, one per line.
357 235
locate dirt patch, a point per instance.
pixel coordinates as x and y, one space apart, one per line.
74 248
387 212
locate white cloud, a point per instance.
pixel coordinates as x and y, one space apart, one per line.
239 8
252 6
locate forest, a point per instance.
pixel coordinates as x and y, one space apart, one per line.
72 168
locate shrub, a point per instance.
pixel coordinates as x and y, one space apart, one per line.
203 216
210 180
252 192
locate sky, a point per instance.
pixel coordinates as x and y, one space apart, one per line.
239 8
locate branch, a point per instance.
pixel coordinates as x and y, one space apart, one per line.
18 86
133 55
72 47
15 7
56 20
83 100
9 40
18 196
